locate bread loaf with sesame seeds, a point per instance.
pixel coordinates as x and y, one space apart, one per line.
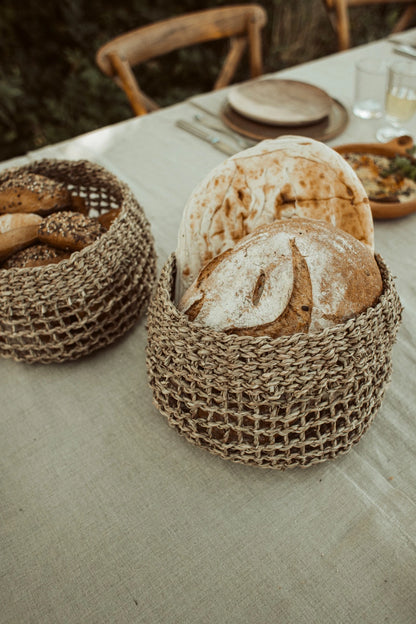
35 193
36 255
291 276
70 231
291 176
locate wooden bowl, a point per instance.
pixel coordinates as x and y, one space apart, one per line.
396 147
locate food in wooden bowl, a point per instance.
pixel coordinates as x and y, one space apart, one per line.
388 173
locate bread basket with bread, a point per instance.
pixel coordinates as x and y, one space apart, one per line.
77 260
271 328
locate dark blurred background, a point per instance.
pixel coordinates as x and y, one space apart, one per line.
51 89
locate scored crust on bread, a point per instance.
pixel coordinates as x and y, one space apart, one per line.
32 192
277 179
297 275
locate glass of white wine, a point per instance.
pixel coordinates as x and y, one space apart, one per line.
400 102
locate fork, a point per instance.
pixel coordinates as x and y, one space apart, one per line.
217 125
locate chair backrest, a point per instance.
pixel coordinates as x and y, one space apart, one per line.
242 24
339 15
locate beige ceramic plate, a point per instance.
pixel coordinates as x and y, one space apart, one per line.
385 210
328 128
280 102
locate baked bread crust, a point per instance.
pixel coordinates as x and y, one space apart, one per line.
107 218
277 179
16 220
71 231
35 255
32 192
293 275
17 231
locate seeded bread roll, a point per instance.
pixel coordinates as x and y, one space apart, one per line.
35 255
291 176
32 192
70 231
297 275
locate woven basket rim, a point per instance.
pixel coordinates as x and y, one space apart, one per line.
62 311
128 201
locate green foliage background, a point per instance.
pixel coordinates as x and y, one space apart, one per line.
51 89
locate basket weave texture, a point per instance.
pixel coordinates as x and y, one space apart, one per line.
64 311
270 402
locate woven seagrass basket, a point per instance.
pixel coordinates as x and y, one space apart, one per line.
275 403
64 311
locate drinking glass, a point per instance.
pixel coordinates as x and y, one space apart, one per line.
370 87
400 101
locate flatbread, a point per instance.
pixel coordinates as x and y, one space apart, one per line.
276 179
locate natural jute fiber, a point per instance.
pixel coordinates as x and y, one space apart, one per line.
63 311
276 403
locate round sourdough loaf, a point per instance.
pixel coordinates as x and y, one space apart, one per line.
297 275
276 179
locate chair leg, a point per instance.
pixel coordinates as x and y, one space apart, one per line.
238 45
405 19
256 55
343 24
128 83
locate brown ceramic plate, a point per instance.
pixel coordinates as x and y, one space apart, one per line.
280 102
397 147
324 130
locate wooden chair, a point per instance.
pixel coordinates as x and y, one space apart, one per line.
242 24
339 16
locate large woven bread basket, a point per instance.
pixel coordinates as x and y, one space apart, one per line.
275 403
63 311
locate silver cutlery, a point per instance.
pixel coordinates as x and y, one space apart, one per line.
405 50
211 117
395 41
213 139
215 124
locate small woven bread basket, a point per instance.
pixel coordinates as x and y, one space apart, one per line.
275 403
63 311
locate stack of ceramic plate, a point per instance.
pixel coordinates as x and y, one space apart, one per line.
270 107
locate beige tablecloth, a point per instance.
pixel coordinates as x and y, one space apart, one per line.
108 516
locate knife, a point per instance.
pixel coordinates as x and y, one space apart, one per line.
215 141
406 50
